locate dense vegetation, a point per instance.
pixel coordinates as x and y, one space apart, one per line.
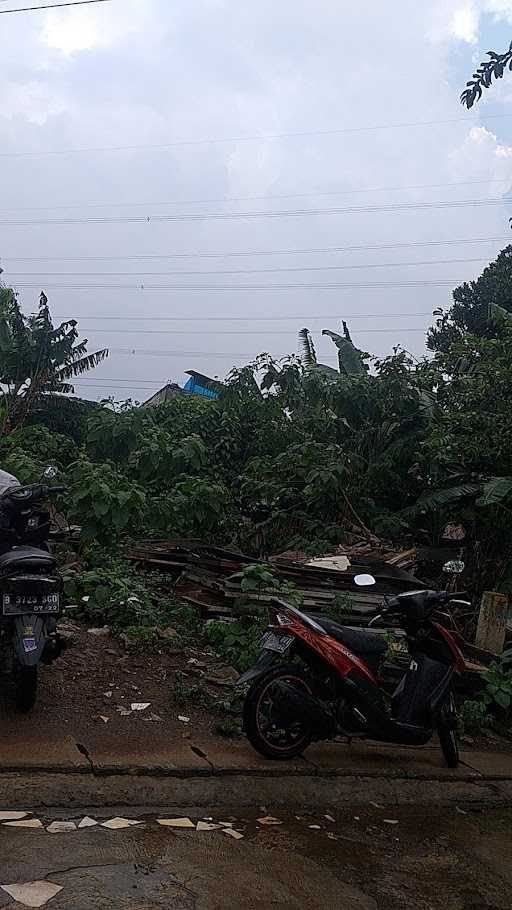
292 455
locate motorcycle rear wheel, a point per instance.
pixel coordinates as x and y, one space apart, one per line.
447 732
25 688
272 735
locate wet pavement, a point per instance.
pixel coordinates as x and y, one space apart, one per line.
350 859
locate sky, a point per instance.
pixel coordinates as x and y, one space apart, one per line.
141 139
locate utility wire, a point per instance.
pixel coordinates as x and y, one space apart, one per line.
260 138
283 213
230 253
300 317
380 189
306 268
136 331
28 9
303 286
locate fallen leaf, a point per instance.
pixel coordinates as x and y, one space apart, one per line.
61 827
232 833
32 894
12 816
25 823
140 705
176 822
104 718
108 694
116 823
460 811
390 821
376 805
269 820
87 822
153 717
330 818
124 712
206 826
315 827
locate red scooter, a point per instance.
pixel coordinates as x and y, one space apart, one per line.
316 680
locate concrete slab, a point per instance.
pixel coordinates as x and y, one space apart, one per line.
55 754
112 756
240 758
375 760
492 765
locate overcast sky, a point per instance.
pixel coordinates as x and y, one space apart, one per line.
140 73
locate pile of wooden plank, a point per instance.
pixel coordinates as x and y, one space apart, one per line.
210 577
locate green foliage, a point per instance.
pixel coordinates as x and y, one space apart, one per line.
495 67
104 501
494 705
237 642
338 610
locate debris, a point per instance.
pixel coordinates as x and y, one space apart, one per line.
124 712
116 823
330 818
175 822
356 818
88 822
460 811
12 816
315 827
167 633
232 833
99 633
390 821
269 820
376 805
61 827
108 694
140 705
32 894
206 826
25 823
104 718
183 719
338 563
152 717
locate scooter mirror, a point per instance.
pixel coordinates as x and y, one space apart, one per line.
363 580
454 566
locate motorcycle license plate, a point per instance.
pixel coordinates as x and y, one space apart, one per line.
277 643
16 604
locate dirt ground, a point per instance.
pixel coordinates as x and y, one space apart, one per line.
97 675
81 693
426 860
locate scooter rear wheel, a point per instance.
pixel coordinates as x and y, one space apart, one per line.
25 688
447 731
269 732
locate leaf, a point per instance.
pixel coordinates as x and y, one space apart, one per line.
502 699
351 362
445 495
495 490
308 348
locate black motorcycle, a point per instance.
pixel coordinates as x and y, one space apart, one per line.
30 589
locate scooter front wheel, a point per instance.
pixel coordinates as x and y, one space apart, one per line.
447 731
268 729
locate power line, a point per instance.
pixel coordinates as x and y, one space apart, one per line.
303 286
282 213
258 138
380 189
230 253
272 318
27 9
195 272
136 331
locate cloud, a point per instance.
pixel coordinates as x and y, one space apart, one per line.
464 24
150 72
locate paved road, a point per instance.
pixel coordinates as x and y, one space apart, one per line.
429 860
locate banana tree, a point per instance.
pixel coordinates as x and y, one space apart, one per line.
36 358
350 360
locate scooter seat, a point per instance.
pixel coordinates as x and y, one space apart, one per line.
357 641
26 559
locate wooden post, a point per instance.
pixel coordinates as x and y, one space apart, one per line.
492 622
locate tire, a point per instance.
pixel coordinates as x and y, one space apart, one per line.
25 688
447 731
283 742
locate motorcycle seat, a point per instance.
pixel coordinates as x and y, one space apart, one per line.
357 641
26 559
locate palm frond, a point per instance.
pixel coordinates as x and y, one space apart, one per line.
308 348
83 365
446 495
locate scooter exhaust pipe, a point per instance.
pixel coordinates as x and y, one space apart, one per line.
299 706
